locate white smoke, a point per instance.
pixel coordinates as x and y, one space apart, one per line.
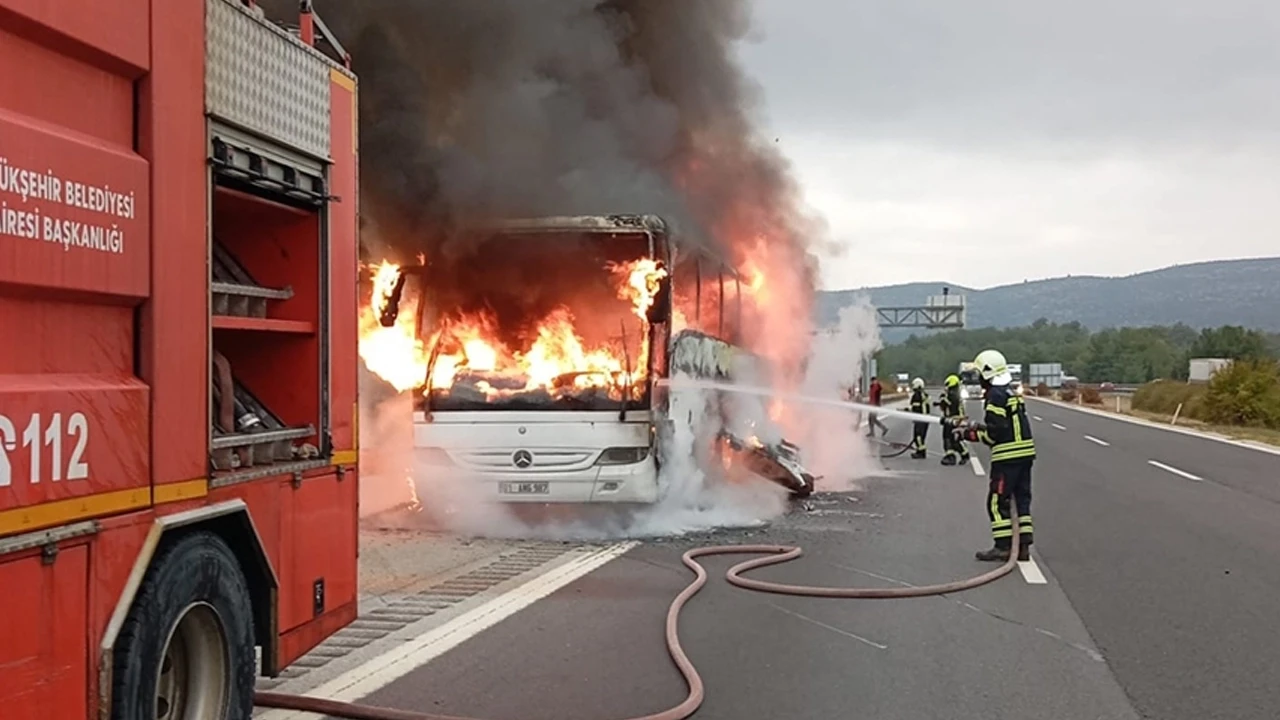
386 448
696 494
831 443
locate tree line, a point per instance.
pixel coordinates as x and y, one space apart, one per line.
1126 355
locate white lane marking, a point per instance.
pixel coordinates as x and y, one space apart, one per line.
1096 441
1031 572
832 628
1056 426
1037 418
1174 470
1247 445
976 464
381 671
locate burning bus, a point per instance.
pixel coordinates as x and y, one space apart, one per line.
534 352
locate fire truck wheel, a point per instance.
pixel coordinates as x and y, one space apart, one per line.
186 650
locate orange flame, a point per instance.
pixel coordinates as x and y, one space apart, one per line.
557 360
640 279
393 353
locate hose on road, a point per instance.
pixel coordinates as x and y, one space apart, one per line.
770 555
892 448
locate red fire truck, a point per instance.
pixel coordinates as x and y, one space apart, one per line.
178 272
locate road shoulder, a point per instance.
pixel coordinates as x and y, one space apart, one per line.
1120 417
414 583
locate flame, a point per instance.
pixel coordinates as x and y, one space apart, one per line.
640 279
394 353
753 279
557 360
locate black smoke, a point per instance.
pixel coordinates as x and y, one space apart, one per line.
482 108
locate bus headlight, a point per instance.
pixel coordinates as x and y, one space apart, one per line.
623 456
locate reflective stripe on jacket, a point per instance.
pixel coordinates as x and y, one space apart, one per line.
920 402
1008 430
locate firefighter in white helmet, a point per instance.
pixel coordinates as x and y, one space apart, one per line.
919 404
1007 430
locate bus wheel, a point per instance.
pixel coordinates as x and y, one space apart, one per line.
186 650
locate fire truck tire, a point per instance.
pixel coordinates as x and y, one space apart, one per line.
186 650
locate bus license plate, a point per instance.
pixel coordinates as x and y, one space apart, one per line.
524 488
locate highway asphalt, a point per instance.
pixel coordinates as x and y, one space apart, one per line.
1168 547
594 649
1158 554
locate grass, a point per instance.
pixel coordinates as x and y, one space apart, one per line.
1241 402
1262 435
1151 406
1164 397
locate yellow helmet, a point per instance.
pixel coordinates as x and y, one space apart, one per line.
953 380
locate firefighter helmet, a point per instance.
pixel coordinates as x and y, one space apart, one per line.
953 380
991 364
917 384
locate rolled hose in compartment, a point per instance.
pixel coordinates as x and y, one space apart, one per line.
771 555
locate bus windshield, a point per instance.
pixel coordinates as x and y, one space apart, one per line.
540 321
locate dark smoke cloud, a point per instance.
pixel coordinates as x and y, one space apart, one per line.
536 107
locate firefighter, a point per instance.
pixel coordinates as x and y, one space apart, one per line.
952 406
919 404
1007 430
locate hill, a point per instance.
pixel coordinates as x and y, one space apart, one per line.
1209 294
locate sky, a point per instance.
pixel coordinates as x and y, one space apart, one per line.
985 142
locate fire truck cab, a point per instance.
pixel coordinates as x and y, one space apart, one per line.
178 271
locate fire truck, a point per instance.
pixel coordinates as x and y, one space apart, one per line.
178 277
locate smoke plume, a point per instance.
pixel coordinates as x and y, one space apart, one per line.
553 107
830 438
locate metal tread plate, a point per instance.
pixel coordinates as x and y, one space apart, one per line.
261 78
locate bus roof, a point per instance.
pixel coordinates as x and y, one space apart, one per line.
576 223
606 224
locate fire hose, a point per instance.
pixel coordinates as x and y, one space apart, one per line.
769 555
894 448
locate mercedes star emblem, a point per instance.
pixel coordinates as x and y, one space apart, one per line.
522 458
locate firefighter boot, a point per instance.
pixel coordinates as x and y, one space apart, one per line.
995 554
918 455
949 460
964 460
998 554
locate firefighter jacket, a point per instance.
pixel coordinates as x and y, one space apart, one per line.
920 401
950 402
1008 431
